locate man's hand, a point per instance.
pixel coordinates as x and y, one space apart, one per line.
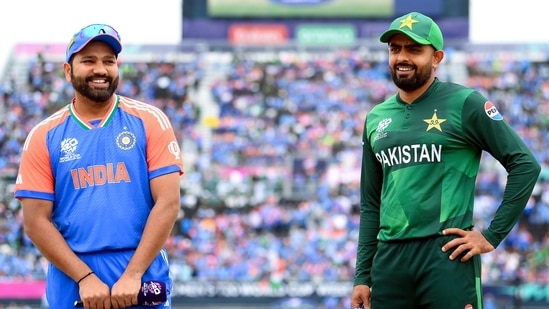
467 243
361 297
124 292
94 293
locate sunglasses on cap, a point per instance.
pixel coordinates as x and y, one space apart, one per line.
95 32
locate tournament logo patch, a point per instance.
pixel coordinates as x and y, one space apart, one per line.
492 112
381 126
68 149
125 140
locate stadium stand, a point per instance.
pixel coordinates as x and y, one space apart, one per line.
272 153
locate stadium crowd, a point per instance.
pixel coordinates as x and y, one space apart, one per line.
275 197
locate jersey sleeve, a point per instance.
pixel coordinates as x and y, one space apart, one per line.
163 151
370 188
485 127
35 176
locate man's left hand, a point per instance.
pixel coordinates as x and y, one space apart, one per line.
467 244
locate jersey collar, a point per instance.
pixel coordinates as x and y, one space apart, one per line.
103 122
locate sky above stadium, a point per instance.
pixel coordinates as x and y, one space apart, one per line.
508 21
56 21
147 22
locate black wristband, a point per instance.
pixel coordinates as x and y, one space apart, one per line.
85 276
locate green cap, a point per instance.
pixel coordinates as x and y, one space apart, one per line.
418 27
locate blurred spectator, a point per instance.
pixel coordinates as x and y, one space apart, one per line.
276 196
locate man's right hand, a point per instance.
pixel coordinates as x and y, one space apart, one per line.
94 293
361 297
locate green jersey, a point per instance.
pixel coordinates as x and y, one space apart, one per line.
420 163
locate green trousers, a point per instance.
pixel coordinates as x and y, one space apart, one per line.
416 274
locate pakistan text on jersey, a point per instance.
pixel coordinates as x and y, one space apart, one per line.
417 153
98 175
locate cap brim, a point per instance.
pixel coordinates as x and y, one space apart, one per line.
105 38
386 36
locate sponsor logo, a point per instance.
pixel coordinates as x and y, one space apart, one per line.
173 148
258 34
492 112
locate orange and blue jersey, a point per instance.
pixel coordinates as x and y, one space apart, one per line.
97 174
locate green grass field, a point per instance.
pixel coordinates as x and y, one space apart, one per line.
332 8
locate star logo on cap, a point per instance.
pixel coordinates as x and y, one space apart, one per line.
407 22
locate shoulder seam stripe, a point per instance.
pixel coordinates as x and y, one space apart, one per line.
55 116
153 110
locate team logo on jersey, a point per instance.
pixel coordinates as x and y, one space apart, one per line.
381 126
125 140
68 148
492 111
434 122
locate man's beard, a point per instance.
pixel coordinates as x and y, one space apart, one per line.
95 94
414 82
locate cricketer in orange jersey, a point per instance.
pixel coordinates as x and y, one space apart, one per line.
99 183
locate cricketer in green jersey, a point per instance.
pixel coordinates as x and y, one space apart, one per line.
422 147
